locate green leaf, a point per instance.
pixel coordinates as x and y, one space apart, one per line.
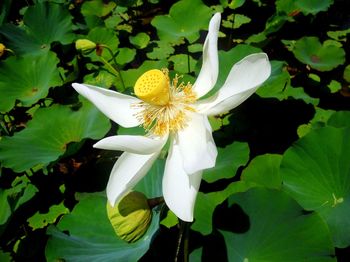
285 6
49 22
97 8
21 192
290 7
278 230
180 23
319 120
196 255
236 3
316 172
278 85
130 76
11 199
339 119
151 184
195 48
235 21
140 40
5 209
163 50
217 122
88 240
206 204
183 64
39 220
275 23
91 236
315 77
4 10
264 171
103 36
339 35
101 78
27 79
170 220
334 86
313 6
309 50
346 74
229 159
45 23
20 41
233 4
256 38
5 257
47 136
125 55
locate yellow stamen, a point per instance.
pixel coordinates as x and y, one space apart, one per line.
166 104
153 87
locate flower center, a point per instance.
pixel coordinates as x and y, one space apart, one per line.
153 87
166 103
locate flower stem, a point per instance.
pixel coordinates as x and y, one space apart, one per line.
183 239
114 70
186 241
153 202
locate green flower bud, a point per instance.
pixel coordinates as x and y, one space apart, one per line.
131 217
85 45
2 49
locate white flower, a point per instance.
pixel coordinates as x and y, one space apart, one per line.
168 109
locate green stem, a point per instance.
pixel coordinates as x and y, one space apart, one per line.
153 202
188 61
183 239
4 126
114 70
231 33
179 240
8 123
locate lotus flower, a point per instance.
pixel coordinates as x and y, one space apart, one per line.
168 109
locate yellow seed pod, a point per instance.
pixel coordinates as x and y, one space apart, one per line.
153 87
131 217
2 49
85 45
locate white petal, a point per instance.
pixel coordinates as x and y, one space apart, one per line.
243 80
114 105
133 144
179 188
196 144
126 173
210 68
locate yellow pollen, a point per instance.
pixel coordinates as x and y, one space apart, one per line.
166 104
153 87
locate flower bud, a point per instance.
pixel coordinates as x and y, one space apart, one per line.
2 49
131 217
85 45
